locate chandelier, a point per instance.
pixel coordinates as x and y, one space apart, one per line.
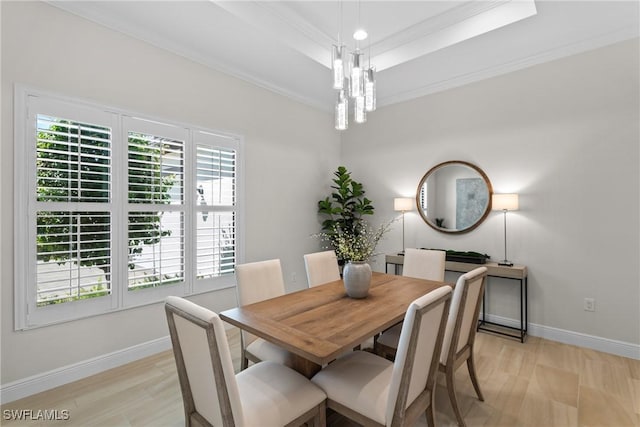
354 82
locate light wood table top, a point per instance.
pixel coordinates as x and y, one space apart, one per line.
320 323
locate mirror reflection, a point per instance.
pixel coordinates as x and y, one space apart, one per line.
454 197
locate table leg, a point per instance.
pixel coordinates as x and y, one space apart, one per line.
484 305
526 305
521 311
304 366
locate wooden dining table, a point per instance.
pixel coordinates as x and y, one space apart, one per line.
318 324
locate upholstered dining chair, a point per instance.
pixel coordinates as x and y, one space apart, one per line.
258 281
421 264
322 267
372 390
424 264
460 333
266 394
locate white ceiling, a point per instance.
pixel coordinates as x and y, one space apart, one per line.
418 47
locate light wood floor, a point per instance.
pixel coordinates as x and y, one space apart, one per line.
538 383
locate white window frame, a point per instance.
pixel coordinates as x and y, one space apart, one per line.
28 102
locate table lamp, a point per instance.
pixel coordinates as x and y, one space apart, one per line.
505 203
402 204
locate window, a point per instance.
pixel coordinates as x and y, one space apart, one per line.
115 211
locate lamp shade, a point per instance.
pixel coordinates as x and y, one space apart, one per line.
504 202
402 204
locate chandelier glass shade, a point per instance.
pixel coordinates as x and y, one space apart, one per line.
337 65
342 110
356 75
370 89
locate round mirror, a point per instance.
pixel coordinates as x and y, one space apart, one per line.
454 197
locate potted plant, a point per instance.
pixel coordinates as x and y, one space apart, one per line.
345 207
345 229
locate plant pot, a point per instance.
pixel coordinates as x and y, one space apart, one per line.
357 279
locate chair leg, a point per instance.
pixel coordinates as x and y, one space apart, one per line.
452 396
321 419
376 348
430 412
384 351
474 379
244 362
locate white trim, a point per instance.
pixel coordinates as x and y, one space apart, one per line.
20 310
511 66
606 345
57 377
27 314
42 382
286 25
445 30
67 374
434 32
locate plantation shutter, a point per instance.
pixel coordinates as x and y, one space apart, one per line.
156 204
216 205
114 211
73 246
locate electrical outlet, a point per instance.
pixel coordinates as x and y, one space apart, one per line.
293 277
589 304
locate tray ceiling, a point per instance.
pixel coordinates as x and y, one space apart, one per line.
418 47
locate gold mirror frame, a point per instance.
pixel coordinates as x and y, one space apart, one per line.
420 196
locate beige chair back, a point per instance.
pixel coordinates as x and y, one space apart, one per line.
205 370
463 316
424 264
416 360
258 281
322 267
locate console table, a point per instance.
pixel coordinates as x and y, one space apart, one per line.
516 272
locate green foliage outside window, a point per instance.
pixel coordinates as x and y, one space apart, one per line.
74 165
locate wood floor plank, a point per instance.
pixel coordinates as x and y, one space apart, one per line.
538 409
608 377
634 367
556 384
517 361
599 408
508 401
561 356
634 386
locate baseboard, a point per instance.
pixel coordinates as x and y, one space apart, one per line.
38 383
605 345
77 371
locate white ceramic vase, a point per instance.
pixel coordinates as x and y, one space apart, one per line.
357 278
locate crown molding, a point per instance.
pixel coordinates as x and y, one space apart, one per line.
305 34
508 67
448 29
286 25
436 32
101 17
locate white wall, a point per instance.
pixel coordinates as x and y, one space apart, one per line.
290 150
565 136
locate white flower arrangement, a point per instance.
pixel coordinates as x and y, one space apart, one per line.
355 245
